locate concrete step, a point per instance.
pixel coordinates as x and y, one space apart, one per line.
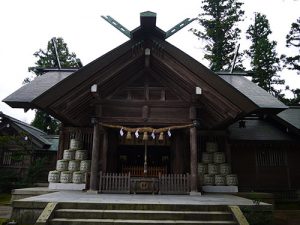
143 214
63 221
164 207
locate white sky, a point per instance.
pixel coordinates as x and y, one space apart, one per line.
27 26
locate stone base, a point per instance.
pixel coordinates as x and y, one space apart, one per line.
220 189
66 186
195 193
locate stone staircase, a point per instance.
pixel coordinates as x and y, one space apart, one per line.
125 214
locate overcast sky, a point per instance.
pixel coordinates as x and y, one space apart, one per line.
27 26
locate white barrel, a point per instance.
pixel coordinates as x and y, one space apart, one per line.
85 165
77 177
69 154
53 176
231 180
211 147
207 157
202 168
225 169
219 157
81 154
74 165
66 177
75 144
208 179
84 177
62 165
220 180
213 169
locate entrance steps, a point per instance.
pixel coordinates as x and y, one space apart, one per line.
125 214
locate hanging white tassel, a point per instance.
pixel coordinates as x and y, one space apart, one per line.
153 135
169 133
137 133
122 132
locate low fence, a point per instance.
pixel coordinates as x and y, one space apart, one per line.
174 184
138 171
124 183
114 183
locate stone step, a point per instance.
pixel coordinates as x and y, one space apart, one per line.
63 221
163 207
142 214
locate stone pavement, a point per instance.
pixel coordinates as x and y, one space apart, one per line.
79 196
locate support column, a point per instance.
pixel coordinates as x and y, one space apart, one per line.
61 144
104 152
95 158
194 163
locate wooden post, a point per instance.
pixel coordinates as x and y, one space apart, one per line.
104 152
61 144
194 164
95 157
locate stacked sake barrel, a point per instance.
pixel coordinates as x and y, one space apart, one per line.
213 169
73 167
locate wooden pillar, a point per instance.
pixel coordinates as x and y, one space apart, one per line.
194 163
104 152
95 158
61 144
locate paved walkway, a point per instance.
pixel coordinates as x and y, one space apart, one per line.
79 196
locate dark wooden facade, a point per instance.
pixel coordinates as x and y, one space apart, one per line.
147 82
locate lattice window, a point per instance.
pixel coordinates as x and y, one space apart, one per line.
270 158
7 158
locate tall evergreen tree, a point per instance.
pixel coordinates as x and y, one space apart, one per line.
47 59
219 21
293 41
262 52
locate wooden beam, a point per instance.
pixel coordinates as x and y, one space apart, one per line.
194 159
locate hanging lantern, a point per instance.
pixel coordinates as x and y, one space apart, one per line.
137 133
161 136
121 132
128 136
169 133
145 136
153 135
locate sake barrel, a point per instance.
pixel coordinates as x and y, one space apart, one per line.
220 180
74 165
77 177
85 165
66 177
75 144
208 179
211 147
218 157
207 157
69 154
62 165
231 180
202 168
225 169
213 168
81 154
84 177
53 176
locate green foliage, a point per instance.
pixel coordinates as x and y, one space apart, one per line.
35 171
45 122
293 41
219 20
47 59
263 55
8 180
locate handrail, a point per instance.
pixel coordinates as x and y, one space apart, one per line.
238 215
47 214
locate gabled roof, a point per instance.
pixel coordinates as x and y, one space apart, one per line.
41 138
23 97
290 119
257 130
68 98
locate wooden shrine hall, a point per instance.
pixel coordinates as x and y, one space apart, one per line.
148 109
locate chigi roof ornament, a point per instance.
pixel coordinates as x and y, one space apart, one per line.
148 23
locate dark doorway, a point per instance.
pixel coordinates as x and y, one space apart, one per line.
131 159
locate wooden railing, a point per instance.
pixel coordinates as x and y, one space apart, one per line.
174 184
138 171
114 183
